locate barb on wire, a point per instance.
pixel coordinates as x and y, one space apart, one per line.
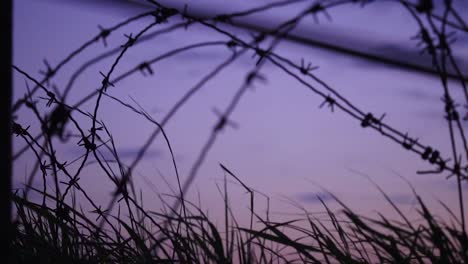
48 73
104 34
330 102
408 143
317 8
223 121
306 69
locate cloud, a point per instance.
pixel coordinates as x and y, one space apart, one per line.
418 94
407 199
452 185
133 152
124 153
313 197
404 54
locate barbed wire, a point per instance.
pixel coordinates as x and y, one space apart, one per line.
433 35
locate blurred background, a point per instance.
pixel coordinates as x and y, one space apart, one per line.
283 144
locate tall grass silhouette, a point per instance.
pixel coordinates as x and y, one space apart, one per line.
51 225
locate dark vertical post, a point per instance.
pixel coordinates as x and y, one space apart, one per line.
6 10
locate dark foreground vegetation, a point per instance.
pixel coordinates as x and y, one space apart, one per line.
46 235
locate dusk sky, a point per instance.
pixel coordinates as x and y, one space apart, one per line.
283 144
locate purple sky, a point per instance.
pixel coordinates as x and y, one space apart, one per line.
285 145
